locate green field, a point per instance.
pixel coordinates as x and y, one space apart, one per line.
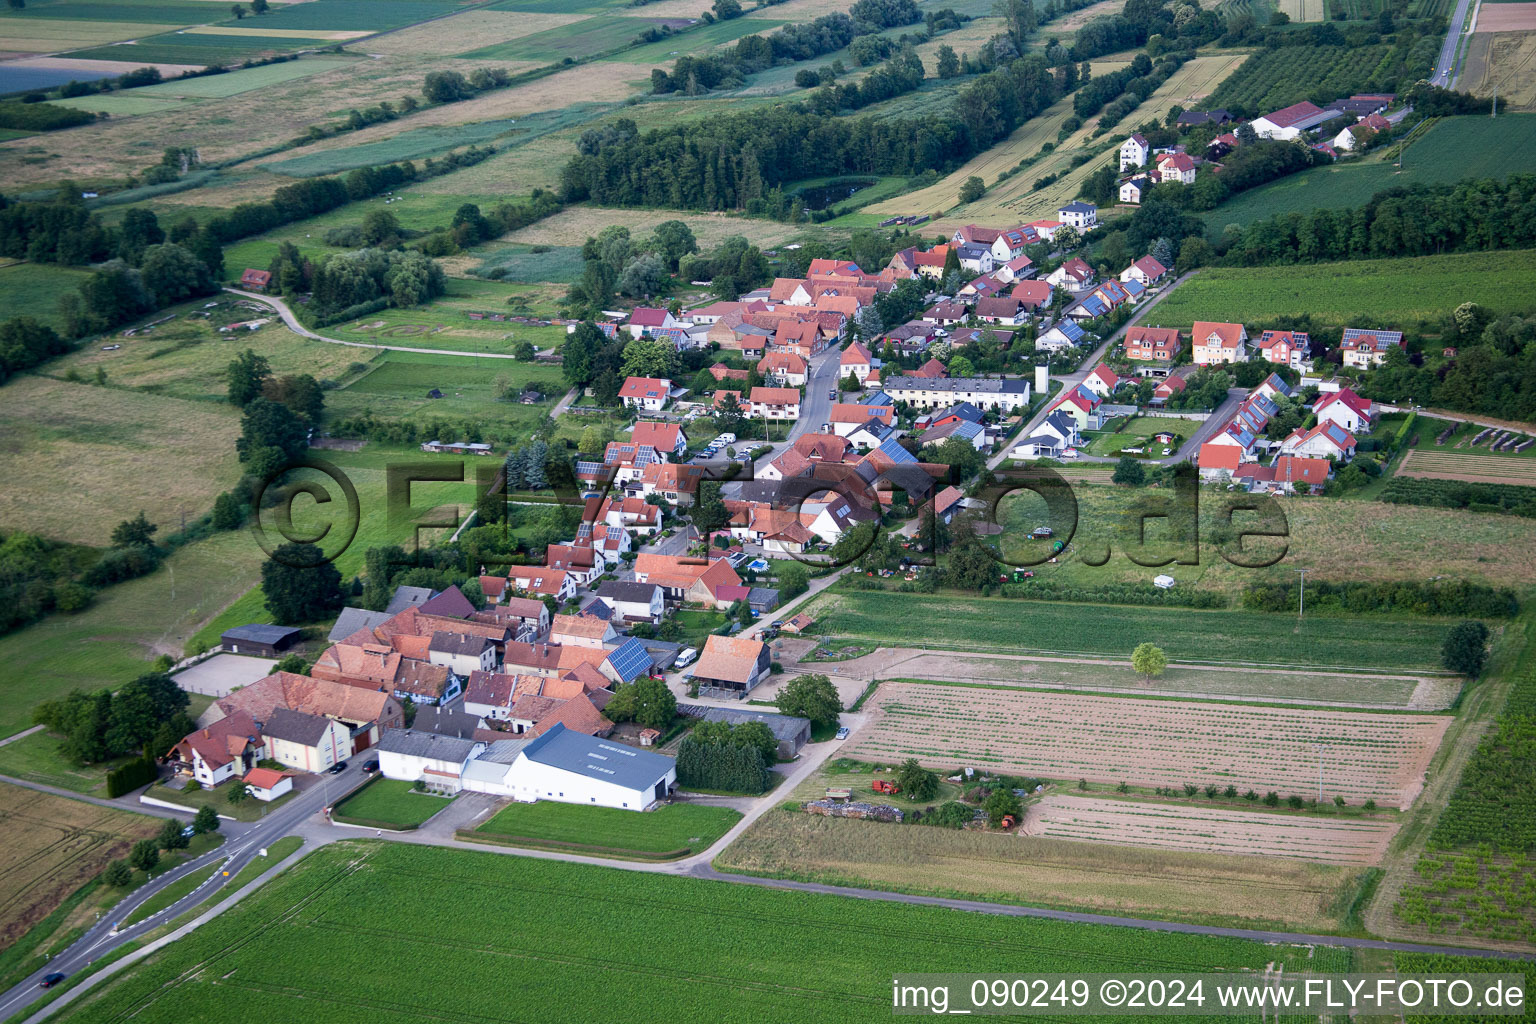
595 944
578 39
147 12
1003 625
389 803
1397 291
1277 78
672 828
397 387
178 48
408 145
697 40
119 104
245 79
1453 149
333 15
33 289
561 264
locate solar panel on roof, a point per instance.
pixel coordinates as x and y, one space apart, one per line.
630 660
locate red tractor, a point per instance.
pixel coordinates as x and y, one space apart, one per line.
881 786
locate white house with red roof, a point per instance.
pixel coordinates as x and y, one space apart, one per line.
1286 348
1324 441
649 394
1289 122
1102 381
666 438
1033 295
1219 462
1134 152
1045 229
1152 344
1216 342
1357 133
785 367
649 320
1178 167
857 361
1081 405
1347 409
1074 275
775 403
1146 270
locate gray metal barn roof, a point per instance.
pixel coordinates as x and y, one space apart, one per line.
426 744
785 727
260 634
599 759
353 619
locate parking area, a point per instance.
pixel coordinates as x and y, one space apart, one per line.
222 674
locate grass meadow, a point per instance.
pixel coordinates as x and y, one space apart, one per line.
385 803
670 828
796 956
33 289
1360 292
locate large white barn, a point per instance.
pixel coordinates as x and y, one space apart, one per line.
573 768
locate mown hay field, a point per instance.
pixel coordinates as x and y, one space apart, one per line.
1151 742
1172 884
1468 468
804 957
1212 829
446 37
1502 62
52 847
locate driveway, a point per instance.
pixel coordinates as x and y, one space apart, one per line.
1208 429
222 674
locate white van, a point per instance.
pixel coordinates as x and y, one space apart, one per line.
686 658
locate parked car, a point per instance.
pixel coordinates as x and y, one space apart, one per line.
832 394
687 657
371 766
337 768
842 732
1070 453
50 980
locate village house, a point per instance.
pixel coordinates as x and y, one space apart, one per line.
775 403
1064 334
1146 271
434 760
267 784
1055 434
462 654
1080 215
1134 152
847 417
978 259
1003 310
1346 409
1081 406
1033 295
687 580
1289 122
1175 167
367 714
664 438
1363 348
1102 381
1007 394
1356 134
1074 275
310 743
540 581
1324 441
632 601
223 750
648 394
647 321
1176 381
1134 190
580 631
785 367
1286 348
1152 344
1216 343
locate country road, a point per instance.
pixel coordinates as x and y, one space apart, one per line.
1446 69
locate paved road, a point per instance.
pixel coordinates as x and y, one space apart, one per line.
1446 71
242 844
297 328
1218 419
1093 360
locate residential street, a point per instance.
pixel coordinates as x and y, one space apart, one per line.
243 843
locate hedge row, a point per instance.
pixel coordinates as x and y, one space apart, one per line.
131 776
1457 598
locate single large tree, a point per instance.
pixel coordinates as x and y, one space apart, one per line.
134 532
811 696
646 702
917 782
1466 648
1129 471
300 584
246 375
1148 660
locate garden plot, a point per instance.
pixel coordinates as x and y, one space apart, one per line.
1468 467
1152 742
1209 829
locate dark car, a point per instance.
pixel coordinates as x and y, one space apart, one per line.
337 768
50 980
370 766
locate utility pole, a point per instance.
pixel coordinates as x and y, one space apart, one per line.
1301 595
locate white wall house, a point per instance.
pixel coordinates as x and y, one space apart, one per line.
426 757
309 743
1134 152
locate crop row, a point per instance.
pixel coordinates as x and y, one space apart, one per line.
1277 78
600 939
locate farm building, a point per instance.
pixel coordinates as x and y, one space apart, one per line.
570 767
438 761
259 639
791 731
256 280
